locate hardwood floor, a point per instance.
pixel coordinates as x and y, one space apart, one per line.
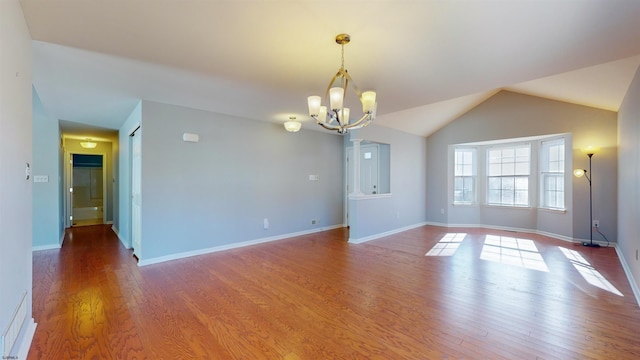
497 295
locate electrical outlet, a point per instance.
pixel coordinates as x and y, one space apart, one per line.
265 223
314 221
596 223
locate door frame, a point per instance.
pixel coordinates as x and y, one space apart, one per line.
135 218
68 181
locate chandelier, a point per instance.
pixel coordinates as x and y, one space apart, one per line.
336 117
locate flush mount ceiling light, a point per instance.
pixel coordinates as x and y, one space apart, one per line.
88 144
292 125
336 117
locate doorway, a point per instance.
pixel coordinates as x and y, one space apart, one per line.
87 190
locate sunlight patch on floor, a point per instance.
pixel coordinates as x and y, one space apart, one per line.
588 272
448 245
513 251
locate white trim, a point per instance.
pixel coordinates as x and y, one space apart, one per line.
27 338
386 233
630 278
46 247
160 259
523 230
115 230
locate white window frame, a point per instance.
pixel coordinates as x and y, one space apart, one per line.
467 172
556 171
512 175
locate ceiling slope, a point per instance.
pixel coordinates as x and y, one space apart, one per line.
429 61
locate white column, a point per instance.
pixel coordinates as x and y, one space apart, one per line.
356 168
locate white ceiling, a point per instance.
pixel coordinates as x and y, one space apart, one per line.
429 61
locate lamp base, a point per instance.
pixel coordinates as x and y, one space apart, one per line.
590 244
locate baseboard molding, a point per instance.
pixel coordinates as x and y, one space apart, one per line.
160 259
115 231
46 247
630 278
30 331
386 233
522 230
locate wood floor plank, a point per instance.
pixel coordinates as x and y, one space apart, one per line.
318 297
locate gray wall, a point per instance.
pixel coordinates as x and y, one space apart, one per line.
511 115
47 231
406 207
15 151
629 174
218 191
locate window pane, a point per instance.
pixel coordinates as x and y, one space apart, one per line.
464 170
521 169
507 197
494 183
522 183
508 169
521 198
552 177
508 183
493 197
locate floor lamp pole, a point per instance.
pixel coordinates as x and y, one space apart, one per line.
590 177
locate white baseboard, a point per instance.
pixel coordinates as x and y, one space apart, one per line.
115 230
630 278
46 247
386 233
145 262
30 331
522 230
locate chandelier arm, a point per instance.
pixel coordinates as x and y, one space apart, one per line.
364 118
337 118
364 124
329 127
353 84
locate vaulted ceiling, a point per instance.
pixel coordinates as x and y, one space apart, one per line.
429 61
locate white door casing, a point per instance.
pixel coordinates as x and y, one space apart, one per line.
136 190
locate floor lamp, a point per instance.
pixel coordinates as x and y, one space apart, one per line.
581 173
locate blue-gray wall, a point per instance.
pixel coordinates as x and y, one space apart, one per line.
217 192
629 176
16 120
509 115
47 230
406 207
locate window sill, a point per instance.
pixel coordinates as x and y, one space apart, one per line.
553 211
508 207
